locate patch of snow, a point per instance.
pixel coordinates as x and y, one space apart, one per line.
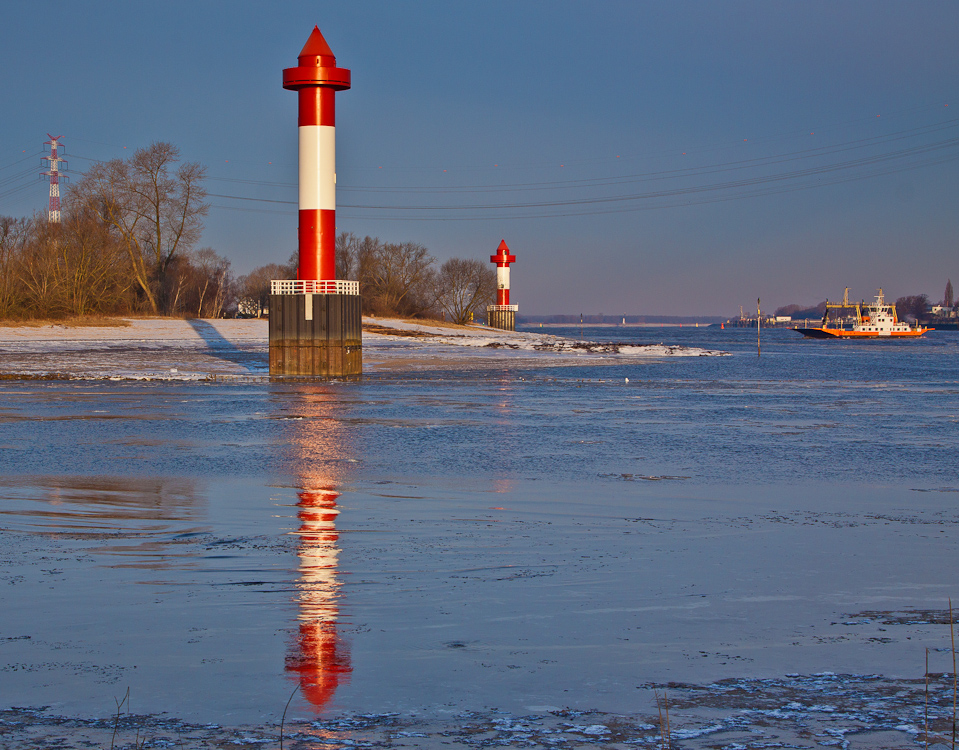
590 729
688 734
907 728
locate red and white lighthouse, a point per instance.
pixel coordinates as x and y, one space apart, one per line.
316 327
502 315
502 259
316 79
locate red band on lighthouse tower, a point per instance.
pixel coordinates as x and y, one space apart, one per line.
316 79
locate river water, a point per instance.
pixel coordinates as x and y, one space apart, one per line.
518 540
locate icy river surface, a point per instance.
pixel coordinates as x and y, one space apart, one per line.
529 540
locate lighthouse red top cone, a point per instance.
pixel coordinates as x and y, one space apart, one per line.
316 79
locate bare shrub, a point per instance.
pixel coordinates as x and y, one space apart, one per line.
464 288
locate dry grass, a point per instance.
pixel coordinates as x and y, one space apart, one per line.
401 332
432 323
77 321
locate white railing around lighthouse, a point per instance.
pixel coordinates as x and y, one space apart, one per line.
314 286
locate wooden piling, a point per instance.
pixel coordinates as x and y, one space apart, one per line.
505 320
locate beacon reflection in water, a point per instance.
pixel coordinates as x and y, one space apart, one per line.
318 657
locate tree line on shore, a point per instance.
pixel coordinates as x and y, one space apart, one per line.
126 244
127 240
396 279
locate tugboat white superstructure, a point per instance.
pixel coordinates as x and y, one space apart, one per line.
875 320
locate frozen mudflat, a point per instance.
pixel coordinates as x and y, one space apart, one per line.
521 551
165 349
387 338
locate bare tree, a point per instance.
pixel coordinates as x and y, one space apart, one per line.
51 270
13 237
253 290
200 284
947 300
464 287
93 267
395 279
347 247
400 279
367 251
292 268
914 306
39 271
214 272
156 207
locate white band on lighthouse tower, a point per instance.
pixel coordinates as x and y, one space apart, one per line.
317 167
502 277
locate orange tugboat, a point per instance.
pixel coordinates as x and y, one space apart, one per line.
875 320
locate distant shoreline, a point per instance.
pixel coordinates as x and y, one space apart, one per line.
619 320
536 326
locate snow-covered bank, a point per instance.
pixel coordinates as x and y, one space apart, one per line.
200 349
147 349
398 345
482 336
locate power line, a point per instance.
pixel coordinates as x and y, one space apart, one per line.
702 200
795 169
33 155
244 198
30 171
892 158
16 190
819 151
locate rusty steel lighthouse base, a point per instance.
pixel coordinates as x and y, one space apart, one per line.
315 335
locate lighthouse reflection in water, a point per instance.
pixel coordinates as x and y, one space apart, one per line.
318 658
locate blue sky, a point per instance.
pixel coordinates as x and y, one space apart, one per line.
658 158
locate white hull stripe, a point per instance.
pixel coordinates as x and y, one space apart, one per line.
317 167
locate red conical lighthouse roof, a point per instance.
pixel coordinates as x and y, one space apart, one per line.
503 256
316 67
316 47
